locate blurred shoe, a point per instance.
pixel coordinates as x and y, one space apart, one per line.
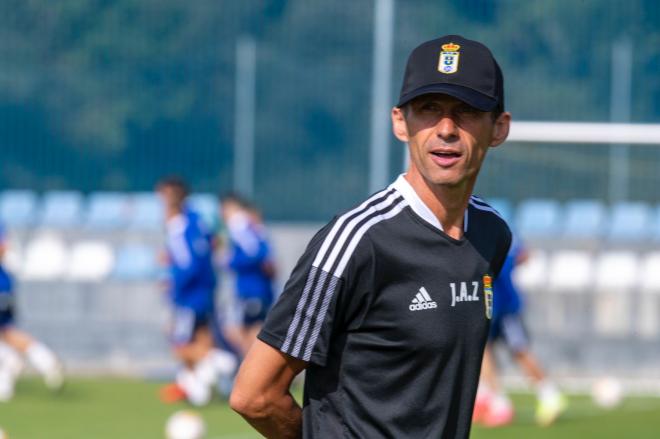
224 387
225 362
44 360
216 363
498 415
6 385
549 409
172 393
482 402
480 409
11 361
197 392
54 377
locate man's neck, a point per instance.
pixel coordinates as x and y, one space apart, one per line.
171 213
448 203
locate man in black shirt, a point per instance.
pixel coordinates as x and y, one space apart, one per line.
388 308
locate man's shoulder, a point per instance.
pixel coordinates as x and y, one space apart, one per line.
487 228
338 239
480 210
378 207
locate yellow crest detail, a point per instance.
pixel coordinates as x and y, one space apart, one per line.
450 47
448 62
488 295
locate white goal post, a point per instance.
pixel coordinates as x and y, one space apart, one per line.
585 132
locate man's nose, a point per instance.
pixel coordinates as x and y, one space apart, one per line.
447 128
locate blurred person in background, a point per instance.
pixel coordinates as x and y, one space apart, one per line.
493 406
191 291
248 256
16 344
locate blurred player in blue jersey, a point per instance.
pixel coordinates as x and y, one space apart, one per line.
16 343
493 407
192 283
249 257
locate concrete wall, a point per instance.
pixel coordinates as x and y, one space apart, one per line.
121 326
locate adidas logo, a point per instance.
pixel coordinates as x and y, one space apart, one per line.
422 301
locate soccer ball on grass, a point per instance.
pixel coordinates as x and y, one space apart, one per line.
185 424
607 392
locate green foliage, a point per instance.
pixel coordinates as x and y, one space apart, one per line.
112 94
98 66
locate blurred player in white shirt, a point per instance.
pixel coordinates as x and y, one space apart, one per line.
16 344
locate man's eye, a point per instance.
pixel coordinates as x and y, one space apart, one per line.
466 109
430 106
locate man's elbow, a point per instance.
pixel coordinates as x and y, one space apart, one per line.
249 406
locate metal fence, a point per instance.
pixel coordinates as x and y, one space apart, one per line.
111 95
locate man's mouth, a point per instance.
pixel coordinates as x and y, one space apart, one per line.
445 158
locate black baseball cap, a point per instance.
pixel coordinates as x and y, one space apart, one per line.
456 66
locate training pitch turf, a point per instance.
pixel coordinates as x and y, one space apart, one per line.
128 409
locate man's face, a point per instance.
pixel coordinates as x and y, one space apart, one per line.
170 197
448 139
228 209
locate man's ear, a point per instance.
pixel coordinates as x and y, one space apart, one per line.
399 126
501 129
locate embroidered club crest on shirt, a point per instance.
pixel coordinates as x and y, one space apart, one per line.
449 56
488 295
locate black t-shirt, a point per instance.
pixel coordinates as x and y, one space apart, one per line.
392 315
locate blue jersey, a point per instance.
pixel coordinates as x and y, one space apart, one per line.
190 251
506 298
6 284
6 291
250 259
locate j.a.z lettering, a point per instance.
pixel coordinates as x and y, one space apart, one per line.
464 292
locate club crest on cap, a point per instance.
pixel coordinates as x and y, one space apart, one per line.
449 55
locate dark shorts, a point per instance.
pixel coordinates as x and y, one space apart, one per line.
511 329
186 322
252 310
6 310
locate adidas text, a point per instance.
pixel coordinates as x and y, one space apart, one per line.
420 306
422 300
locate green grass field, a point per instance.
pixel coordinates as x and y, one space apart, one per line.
129 409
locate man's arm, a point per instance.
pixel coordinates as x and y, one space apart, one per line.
261 392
